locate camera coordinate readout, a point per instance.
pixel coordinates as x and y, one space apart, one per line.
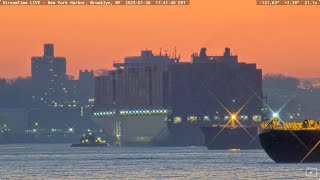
288 2
95 2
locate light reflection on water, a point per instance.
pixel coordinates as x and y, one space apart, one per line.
59 161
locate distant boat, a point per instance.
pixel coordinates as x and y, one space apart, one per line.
231 136
234 150
290 142
89 140
220 137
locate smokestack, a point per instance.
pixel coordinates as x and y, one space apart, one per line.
203 52
49 50
227 52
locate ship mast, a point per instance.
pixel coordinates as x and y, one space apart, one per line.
233 118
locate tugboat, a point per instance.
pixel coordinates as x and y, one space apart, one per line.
89 140
291 142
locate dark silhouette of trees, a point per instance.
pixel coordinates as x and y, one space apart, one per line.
16 93
279 81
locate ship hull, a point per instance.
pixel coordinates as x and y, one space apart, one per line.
185 134
284 146
231 138
139 130
89 145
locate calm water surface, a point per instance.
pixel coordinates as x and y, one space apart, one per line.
59 161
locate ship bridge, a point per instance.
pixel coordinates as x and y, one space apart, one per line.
147 58
227 57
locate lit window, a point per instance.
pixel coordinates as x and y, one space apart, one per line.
256 118
192 119
177 120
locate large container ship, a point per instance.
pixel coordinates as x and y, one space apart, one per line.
159 100
291 142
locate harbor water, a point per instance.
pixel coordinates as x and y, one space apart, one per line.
59 161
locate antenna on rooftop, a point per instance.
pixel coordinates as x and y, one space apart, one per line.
166 52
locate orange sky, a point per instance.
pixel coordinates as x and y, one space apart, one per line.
279 39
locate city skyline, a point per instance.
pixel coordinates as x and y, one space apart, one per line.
278 38
159 89
75 74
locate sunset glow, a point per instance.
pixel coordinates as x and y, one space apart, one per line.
279 39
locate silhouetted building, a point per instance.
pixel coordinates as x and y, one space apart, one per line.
49 77
86 86
59 101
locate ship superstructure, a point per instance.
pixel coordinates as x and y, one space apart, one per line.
151 97
130 100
